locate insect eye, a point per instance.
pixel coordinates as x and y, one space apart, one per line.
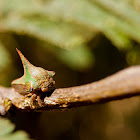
53 82
44 89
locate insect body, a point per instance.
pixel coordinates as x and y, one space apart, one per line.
34 80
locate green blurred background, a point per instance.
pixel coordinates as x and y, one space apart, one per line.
83 41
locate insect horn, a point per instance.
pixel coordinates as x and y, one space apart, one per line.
25 62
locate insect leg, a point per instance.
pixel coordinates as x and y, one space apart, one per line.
39 101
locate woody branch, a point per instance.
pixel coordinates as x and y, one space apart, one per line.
123 84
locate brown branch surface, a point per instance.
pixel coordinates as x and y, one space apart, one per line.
123 84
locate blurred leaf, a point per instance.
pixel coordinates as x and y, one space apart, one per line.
20 135
68 24
133 56
6 129
121 9
79 58
28 19
4 57
7 44
58 33
83 13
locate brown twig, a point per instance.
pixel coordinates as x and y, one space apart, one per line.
123 84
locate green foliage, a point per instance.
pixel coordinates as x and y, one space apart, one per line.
78 57
70 25
4 57
133 56
6 131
